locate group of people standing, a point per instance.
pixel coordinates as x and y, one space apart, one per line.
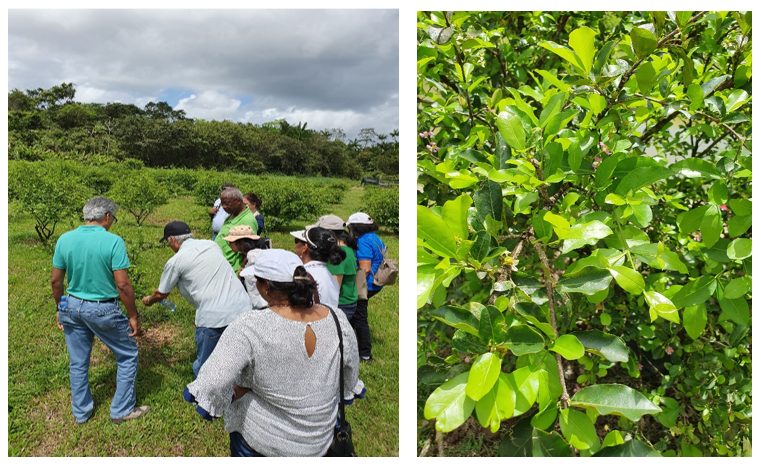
268 324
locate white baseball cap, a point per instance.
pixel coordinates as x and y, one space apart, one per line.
276 265
359 218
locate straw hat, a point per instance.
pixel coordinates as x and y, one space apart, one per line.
239 232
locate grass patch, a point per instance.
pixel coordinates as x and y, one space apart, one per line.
40 422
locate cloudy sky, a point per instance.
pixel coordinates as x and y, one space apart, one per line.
328 68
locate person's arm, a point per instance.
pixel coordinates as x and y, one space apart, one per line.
127 295
366 265
56 283
339 278
214 388
154 297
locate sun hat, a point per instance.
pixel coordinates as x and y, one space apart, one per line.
239 232
276 265
330 222
359 218
174 229
302 235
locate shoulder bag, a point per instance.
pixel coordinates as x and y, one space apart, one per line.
387 271
342 445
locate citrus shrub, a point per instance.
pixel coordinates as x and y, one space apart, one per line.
382 204
138 193
584 245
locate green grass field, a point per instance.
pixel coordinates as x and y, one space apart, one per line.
39 414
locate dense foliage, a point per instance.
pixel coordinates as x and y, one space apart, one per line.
382 204
54 191
584 242
44 123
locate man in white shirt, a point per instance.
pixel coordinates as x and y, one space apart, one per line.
207 281
218 214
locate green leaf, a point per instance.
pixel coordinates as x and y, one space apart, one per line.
606 345
737 288
734 310
578 429
455 214
690 221
449 404
575 156
551 444
553 107
696 167
695 292
588 282
564 53
426 277
597 103
560 225
642 177
643 41
459 318
584 234
613 438
613 199
488 201
615 399
711 226
738 225
628 279
518 444
645 77
741 206
582 41
497 405
483 375
657 256
512 130
435 233
525 383
481 246
660 306
740 248
522 339
695 93
491 325
633 448
695 319
568 346
736 99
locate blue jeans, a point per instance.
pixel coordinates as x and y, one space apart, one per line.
348 309
81 321
240 449
206 341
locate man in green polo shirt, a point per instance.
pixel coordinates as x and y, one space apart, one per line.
232 202
96 264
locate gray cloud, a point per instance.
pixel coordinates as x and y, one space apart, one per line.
331 65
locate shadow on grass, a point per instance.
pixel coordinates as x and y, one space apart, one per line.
156 351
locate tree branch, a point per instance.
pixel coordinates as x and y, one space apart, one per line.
549 284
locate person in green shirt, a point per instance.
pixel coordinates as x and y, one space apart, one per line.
232 202
345 272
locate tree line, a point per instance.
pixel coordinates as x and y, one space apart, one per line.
45 123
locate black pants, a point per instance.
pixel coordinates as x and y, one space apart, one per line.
362 328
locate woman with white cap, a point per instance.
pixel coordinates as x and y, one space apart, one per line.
316 247
344 272
370 250
274 374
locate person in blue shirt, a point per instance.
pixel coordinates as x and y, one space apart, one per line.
370 249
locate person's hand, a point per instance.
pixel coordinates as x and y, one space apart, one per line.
58 322
134 325
147 300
